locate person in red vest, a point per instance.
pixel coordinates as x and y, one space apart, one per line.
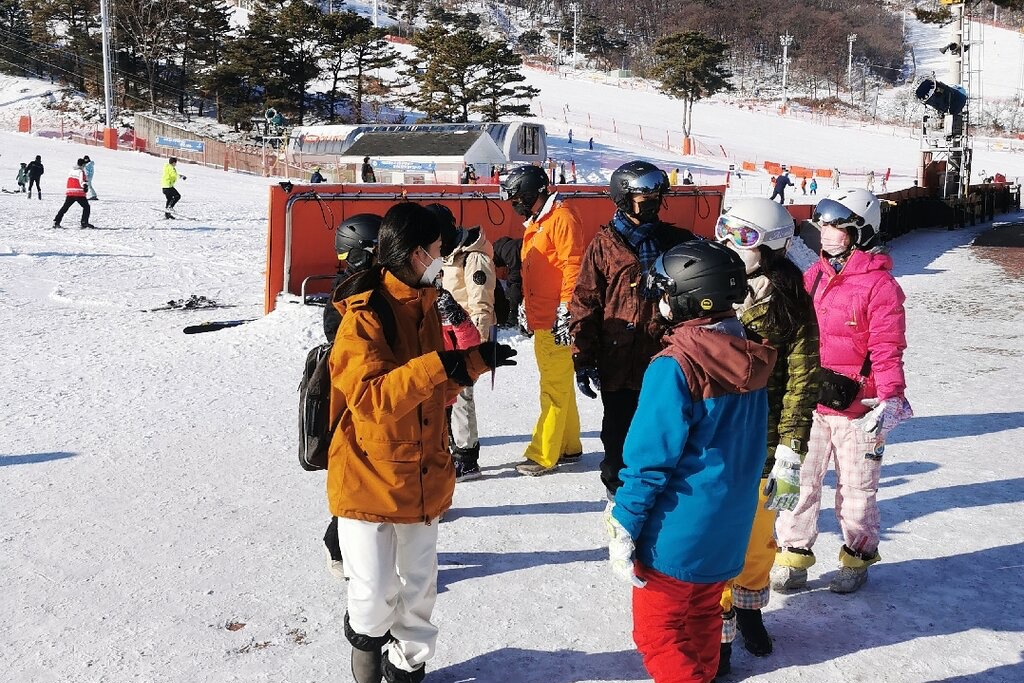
75 194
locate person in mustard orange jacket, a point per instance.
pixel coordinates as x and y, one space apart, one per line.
389 475
552 253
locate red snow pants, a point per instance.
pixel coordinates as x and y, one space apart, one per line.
677 627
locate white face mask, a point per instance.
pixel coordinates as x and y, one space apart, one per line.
665 310
751 257
432 271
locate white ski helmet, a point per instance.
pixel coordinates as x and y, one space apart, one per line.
751 223
857 211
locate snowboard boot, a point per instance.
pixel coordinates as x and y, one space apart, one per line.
532 469
790 570
367 665
56 224
466 462
755 637
570 458
854 571
392 674
367 658
168 216
724 663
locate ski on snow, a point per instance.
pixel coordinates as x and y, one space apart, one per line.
193 303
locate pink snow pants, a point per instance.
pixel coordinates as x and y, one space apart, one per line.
858 464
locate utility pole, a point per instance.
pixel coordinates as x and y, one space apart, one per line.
786 41
375 24
108 99
851 39
575 9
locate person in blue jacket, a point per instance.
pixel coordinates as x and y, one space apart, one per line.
693 458
781 183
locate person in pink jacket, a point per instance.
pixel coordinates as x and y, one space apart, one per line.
862 327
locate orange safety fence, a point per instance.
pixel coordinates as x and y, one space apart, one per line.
801 171
773 167
302 223
749 166
823 172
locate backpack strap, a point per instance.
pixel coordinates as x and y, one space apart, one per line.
817 281
386 315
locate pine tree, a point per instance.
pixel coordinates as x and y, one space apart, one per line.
15 47
691 66
205 31
353 49
496 89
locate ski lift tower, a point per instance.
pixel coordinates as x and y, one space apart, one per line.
946 129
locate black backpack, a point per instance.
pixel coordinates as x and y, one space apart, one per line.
315 428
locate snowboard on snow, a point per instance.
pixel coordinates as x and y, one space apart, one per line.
215 325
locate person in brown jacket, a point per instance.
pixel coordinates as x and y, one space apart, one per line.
615 323
389 475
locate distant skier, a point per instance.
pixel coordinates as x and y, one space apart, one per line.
366 172
688 178
317 177
170 177
90 170
835 178
591 143
813 187
870 184
35 172
781 183
803 185
75 194
673 177
22 177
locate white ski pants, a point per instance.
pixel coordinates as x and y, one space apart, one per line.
392 585
464 432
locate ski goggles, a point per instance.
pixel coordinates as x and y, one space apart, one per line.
746 235
658 280
831 212
652 182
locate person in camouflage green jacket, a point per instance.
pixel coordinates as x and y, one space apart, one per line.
778 310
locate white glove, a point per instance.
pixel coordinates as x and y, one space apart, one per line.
884 416
620 550
783 487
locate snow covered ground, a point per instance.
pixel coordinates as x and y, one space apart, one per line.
151 497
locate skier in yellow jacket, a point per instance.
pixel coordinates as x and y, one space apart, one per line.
552 253
170 177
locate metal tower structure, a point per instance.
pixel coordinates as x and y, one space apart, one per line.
946 131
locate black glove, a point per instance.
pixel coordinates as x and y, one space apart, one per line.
454 363
584 378
497 355
561 327
183 177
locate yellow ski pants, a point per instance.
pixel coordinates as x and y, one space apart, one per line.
750 589
557 432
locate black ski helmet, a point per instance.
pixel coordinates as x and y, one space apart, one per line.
633 178
701 277
522 186
451 234
356 240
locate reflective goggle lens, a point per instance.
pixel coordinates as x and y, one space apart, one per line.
739 232
656 279
831 212
649 183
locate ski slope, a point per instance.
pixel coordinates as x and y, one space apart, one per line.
151 500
